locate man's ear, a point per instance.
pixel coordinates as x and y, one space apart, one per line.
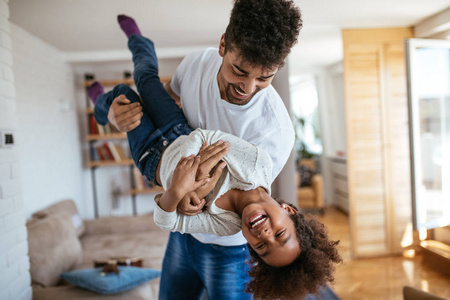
222 45
289 209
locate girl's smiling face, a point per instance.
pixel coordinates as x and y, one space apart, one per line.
270 231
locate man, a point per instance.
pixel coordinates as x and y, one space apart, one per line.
228 89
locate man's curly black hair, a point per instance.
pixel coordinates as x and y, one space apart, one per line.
312 269
263 31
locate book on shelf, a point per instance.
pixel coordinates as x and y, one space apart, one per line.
109 151
113 150
95 128
120 151
100 129
107 129
92 125
94 154
100 153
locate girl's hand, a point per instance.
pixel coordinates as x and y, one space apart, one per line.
210 157
183 180
205 189
191 204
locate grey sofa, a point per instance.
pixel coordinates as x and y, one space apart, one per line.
59 241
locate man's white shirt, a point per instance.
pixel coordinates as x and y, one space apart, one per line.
264 121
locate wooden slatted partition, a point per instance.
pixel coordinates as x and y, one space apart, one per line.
377 139
398 159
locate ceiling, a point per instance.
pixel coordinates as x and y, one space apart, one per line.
176 26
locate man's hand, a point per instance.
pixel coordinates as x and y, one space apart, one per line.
123 115
191 204
205 189
210 158
183 179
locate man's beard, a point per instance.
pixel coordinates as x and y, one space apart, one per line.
237 101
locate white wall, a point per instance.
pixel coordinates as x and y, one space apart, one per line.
14 262
284 186
48 137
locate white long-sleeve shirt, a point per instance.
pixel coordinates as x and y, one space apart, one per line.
248 167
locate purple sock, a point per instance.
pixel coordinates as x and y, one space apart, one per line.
95 90
128 25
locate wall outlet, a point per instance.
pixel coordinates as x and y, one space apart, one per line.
6 139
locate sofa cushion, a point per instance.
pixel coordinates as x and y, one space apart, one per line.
110 283
119 225
67 206
53 248
150 246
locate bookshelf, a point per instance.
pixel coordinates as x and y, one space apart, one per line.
109 147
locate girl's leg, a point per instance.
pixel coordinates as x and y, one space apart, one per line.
157 102
139 138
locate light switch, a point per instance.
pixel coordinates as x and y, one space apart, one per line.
7 139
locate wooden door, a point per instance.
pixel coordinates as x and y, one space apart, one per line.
377 139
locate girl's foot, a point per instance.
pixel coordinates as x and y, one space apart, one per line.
95 90
128 25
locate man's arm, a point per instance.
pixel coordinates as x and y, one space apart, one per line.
126 117
123 115
172 94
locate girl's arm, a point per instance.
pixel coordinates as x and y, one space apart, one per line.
183 182
204 222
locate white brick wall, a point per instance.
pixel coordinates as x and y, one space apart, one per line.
14 262
48 133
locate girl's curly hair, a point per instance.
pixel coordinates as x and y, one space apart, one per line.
263 31
312 269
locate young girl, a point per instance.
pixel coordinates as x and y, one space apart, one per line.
291 255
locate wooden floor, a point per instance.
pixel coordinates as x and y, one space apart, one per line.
379 278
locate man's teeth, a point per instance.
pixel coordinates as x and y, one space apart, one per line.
242 94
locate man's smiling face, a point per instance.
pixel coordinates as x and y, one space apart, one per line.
238 80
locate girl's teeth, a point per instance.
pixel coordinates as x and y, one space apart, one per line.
259 222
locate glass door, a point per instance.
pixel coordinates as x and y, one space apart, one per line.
428 63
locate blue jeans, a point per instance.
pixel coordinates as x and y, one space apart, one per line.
163 121
190 266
